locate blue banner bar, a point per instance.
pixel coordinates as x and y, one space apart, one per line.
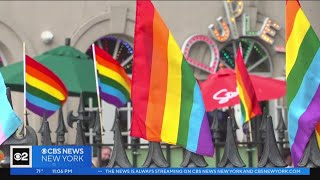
61 156
160 171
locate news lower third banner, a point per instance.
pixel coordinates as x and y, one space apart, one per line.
77 160
50 156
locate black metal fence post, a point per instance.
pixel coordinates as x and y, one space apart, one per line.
168 154
134 151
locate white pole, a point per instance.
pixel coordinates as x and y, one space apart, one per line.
24 89
97 87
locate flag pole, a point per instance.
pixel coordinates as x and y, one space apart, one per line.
24 89
250 132
97 86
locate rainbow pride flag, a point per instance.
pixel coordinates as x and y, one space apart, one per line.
167 102
114 83
9 121
248 100
303 79
45 91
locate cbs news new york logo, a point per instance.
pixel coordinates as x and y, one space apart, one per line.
20 156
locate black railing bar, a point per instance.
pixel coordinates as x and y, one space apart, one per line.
216 143
251 143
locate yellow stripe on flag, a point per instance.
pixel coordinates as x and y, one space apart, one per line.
318 139
44 87
245 104
299 30
318 134
170 124
113 75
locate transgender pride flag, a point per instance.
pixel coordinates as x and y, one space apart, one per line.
9 121
303 79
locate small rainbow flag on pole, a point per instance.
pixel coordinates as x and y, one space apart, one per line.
114 83
45 92
248 100
166 98
303 79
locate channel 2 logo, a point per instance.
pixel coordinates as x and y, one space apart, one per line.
20 156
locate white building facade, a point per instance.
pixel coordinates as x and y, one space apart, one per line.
207 32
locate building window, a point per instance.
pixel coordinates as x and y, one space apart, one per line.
255 55
118 47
